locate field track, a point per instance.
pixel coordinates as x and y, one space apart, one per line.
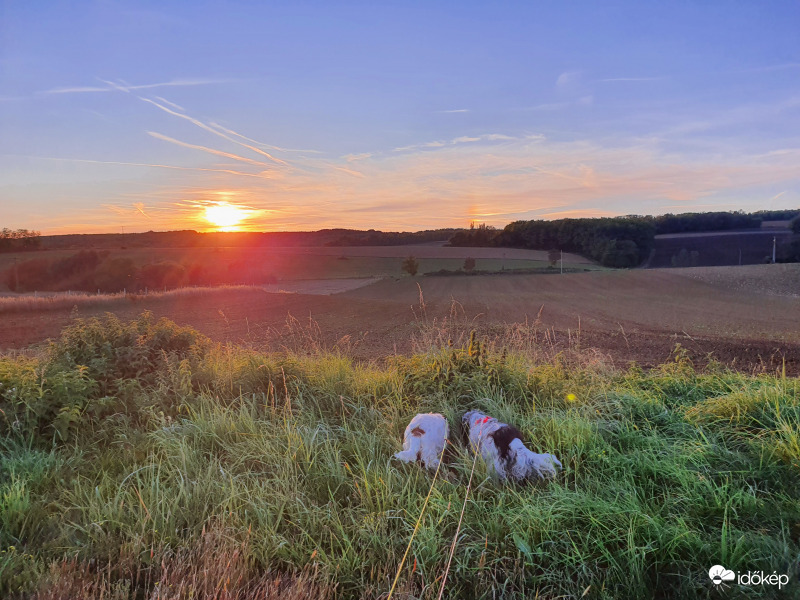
627 315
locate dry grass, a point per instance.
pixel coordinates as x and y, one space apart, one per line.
215 568
530 338
60 301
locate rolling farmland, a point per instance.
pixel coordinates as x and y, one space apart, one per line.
627 315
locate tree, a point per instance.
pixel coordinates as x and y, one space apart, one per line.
410 266
469 264
553 256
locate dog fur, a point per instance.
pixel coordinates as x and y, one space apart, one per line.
501 447
424 440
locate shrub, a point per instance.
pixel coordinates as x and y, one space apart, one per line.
469 264
410 266
115 274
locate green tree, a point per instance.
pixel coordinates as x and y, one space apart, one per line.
410 266
469 264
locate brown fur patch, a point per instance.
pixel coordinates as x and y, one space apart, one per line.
417 432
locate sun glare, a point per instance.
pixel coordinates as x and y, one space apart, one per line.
225 216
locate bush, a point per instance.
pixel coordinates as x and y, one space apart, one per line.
29 276
410 266
161 275
115 275
469 264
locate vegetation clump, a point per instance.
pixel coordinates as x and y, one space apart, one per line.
139 459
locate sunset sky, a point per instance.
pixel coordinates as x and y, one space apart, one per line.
394 116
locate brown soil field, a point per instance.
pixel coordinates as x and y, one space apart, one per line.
251 265
622 315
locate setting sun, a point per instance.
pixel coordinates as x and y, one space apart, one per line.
225 216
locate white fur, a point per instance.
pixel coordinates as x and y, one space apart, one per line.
427 446
522 463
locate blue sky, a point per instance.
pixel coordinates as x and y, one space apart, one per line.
396 116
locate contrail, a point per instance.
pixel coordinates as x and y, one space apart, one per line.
205 127
261 175
206 149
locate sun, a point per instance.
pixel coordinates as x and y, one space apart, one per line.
225 216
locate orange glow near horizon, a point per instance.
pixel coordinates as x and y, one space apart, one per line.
225 216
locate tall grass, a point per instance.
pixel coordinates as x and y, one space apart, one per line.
61 300
142 460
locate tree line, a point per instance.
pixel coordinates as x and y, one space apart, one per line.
90 271
614 242
619 242
14 240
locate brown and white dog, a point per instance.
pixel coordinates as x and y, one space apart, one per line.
501 447
424 440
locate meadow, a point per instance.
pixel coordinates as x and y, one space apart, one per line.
144 460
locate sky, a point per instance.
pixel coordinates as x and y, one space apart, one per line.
266 116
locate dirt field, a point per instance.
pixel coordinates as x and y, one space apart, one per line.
313 263
626 315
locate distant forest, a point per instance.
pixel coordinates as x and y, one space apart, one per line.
222 239
620 242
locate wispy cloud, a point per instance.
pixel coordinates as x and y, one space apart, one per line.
633 79
123 87
568 80
261 144
357 157
582 101
261 175
455 110
168 103
769 68
244 159
464 139
210 129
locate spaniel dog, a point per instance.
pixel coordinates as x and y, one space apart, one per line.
501 447
424 440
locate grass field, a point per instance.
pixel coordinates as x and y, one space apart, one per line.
142 460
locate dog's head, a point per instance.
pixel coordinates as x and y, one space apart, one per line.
530 465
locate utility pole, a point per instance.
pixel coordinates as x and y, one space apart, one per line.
774 243
562 262
16 276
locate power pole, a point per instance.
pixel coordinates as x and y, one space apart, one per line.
774 243
16 276
562 262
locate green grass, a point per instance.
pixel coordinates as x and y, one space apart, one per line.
140 457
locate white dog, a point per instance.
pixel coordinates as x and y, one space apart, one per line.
501 446
424 440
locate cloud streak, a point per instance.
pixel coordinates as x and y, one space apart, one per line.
111 86
244 159
210 129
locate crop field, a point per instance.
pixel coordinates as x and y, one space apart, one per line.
628 316
259 265
143 460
